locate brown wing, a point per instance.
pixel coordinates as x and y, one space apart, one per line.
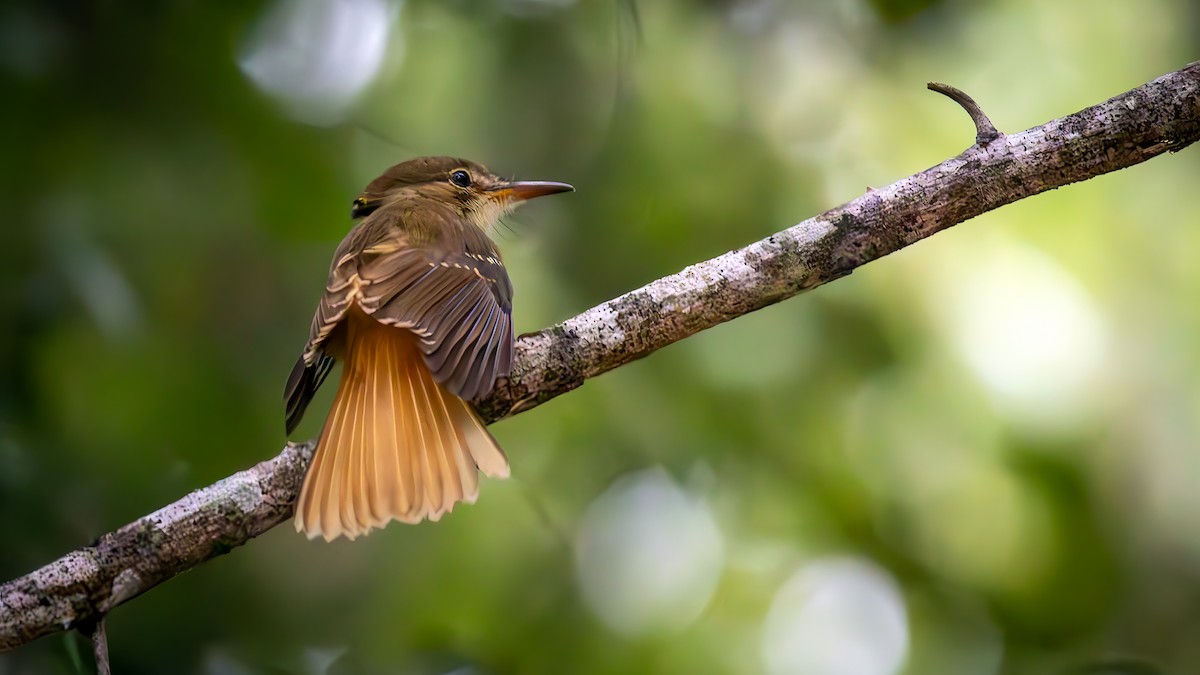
456 297
301 386
315 362
459 304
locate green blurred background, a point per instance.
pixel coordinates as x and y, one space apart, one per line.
977 456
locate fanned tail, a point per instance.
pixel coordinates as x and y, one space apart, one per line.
396 445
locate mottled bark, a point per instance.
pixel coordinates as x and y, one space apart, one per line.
77 590
1162 116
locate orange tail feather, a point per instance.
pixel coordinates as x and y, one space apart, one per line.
396 445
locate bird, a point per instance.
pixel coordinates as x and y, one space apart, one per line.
417 307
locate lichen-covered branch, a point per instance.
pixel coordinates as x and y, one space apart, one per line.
78 589
1161 116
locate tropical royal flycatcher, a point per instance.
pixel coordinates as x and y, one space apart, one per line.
417 307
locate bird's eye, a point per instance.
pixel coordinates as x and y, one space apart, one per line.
461 178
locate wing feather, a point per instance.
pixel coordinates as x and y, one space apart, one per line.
469 357
440 290
447 353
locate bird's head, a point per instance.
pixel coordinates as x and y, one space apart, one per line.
478 194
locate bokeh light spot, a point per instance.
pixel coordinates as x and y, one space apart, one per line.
648 555
1030 333
836 616
317 56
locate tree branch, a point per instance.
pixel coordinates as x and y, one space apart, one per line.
94 630
1161 116
985 131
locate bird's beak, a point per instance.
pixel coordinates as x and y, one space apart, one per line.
522 190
